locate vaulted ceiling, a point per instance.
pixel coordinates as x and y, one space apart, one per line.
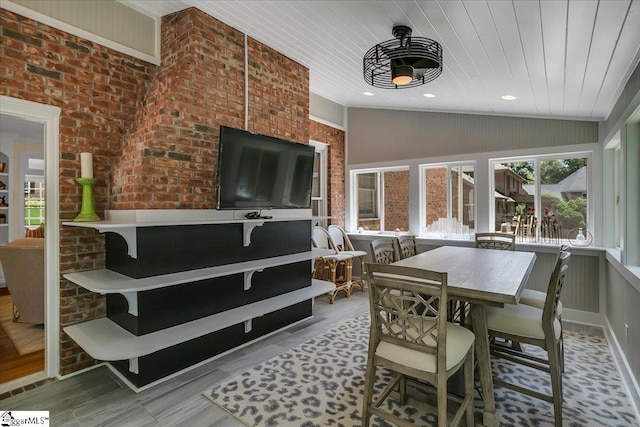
559 58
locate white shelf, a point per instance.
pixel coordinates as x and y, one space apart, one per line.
127 229
104 340
108 282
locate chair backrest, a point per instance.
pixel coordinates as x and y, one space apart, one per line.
383 251
556 282
340 238
322 240
500 241
407 246
409 308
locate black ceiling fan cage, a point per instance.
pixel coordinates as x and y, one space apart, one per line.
422 54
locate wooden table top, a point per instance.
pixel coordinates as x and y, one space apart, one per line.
485 276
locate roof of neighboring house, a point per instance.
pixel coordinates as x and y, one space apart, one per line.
574 183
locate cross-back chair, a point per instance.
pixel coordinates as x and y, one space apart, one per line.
407 246
500 241
384 251
344 246
326 267
537 299
410 335
530 325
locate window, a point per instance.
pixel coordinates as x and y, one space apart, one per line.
319 183
448 200
34 206
368 196
382 199
547 204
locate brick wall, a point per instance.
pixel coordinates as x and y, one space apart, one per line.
335 168
396 200
153 130
436 185
169 160
98 91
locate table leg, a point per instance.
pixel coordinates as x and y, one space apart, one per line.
479 322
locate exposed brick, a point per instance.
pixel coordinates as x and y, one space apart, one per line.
43 72
21 36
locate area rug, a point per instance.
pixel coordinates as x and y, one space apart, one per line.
320 383
26 337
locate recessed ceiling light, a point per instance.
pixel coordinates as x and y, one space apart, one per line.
429 95
508 97
367 93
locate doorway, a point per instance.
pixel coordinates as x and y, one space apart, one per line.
45 119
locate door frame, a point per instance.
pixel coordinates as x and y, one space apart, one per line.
49 116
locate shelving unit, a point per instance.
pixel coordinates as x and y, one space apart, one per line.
181 291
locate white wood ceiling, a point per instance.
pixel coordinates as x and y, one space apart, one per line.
561 58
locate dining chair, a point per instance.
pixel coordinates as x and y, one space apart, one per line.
539 327
384 251
407 246
410 336
501 241
326 267
497 241
537 299
344 246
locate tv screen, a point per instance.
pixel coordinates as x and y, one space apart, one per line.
262 172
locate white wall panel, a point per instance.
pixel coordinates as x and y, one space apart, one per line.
105 18
377 135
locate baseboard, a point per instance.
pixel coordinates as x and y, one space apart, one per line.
584 317
623 366
22 382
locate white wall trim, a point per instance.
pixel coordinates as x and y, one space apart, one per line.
633 388
49 116
47 20
327 122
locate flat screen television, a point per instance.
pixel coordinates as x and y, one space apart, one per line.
262 172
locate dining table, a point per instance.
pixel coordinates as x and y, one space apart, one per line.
481 277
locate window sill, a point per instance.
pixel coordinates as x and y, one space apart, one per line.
630 273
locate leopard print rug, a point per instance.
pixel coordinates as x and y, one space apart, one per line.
320 383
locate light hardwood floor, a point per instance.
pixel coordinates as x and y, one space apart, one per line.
98 397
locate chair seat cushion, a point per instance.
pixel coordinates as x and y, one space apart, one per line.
355 254
537 299
519 320
459 341
337 257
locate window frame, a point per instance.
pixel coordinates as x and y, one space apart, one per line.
353 192
422 167
323 150
537 159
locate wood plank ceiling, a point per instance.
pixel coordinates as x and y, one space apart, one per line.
560 58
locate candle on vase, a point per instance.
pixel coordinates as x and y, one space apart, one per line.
86 165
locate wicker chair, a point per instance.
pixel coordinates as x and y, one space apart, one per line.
411 336
344 246
326 267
